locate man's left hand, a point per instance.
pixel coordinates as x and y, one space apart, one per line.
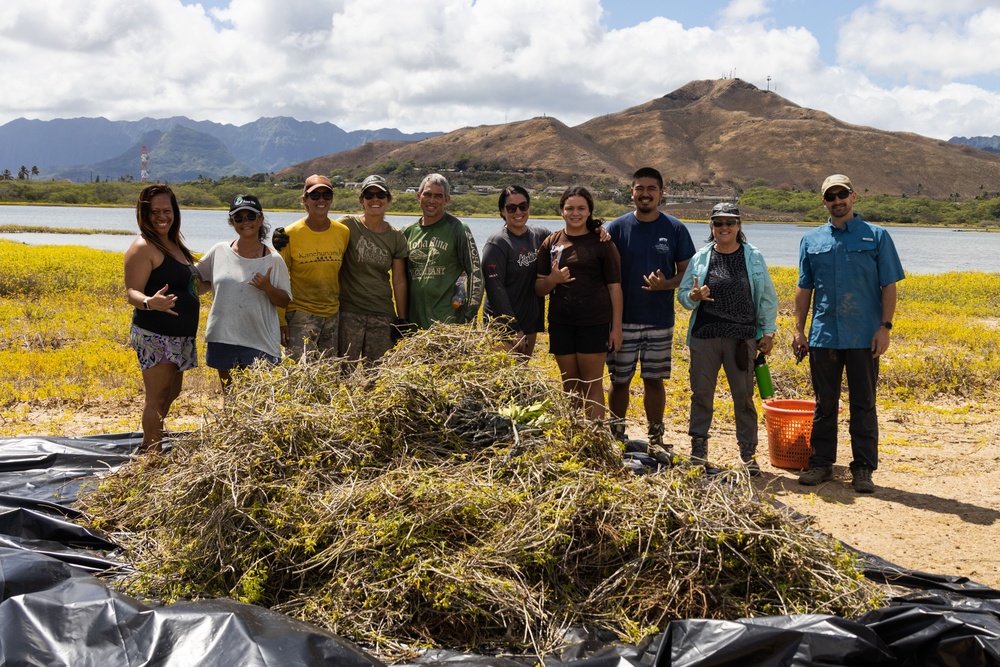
655 281
880 342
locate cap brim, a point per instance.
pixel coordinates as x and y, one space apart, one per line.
318 186
245 208
724 215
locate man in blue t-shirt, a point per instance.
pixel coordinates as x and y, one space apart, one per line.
655 249
852 268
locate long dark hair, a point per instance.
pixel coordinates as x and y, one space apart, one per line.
507 192
145 220
580 191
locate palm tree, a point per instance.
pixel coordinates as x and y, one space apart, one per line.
6 175
34 170
22 173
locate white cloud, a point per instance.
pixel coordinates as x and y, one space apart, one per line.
934 44
422 65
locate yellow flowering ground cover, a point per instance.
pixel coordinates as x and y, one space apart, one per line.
64 348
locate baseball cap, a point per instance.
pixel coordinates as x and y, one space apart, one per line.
835 180
725 210
245 203
316 181
374 181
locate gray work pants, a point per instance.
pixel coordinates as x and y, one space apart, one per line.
707 356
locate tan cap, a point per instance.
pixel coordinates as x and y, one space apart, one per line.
317 181
834 181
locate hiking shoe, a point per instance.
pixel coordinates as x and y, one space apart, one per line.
663 455
861 480
815 476
617 428
751 466
655 434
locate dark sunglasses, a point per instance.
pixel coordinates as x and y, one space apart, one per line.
727 223
839 194
372 194
511 208
326 194
249 216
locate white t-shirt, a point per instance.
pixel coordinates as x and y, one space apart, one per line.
242 314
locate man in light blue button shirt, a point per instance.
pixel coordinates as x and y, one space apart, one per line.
848 270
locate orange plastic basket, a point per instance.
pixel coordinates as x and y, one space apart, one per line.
789 425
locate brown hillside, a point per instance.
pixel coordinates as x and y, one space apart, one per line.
709 132
539 143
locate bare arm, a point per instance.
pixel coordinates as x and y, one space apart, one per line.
140 260
880 341
803 299
615 337
400 287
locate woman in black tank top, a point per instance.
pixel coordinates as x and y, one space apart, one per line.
162 287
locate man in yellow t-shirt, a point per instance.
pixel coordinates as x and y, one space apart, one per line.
314 253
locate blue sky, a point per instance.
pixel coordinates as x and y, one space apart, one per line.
922 66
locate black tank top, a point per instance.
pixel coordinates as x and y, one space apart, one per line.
183 283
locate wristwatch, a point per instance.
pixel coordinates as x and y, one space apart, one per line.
887 325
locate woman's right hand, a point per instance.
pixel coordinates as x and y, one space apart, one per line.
560 276
162 301
702 293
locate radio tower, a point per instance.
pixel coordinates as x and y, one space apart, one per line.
144 173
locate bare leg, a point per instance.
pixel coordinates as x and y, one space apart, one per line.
570 373
618 397
162 383
591 368
654 399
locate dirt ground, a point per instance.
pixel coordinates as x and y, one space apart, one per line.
936 507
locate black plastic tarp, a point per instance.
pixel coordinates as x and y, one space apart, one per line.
56 608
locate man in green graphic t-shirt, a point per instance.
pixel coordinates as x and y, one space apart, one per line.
441 249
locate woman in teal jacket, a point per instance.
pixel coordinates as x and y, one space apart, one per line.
733 308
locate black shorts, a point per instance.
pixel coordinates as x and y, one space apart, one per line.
578 339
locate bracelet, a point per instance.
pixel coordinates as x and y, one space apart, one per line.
145 303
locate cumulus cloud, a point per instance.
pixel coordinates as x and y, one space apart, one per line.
420 65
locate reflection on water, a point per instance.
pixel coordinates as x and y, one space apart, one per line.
922 250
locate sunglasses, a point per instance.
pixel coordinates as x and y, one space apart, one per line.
511 208
839 194
326 194
727 223
372 194
240 217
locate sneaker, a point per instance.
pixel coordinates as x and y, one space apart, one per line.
815 476
861 480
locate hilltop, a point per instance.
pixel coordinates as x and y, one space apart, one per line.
722 134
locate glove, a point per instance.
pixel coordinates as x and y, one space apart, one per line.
279 239
401 328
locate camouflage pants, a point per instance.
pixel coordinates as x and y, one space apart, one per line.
311 333
362 335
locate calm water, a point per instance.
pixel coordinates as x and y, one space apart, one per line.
922 250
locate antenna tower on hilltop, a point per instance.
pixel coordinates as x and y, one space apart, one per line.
144 170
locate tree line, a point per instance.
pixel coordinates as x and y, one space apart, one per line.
285 194
23 174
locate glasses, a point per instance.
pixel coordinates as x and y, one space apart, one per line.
839 194
727 223
372 194
250 216
326 194
512 208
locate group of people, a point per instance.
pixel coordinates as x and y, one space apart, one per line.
349 287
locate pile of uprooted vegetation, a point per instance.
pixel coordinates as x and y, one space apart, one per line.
451 497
